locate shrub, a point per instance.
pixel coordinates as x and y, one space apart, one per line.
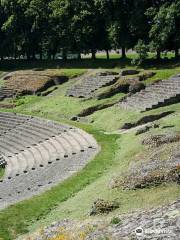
116 220
142 50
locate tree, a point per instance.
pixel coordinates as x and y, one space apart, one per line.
88 27
26 25
3 39
37 15
142 51
164 22
120 27
34 28
11 26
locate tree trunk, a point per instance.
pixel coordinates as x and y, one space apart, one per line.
93 52
33 56
28 56
64 54
107 54
40 55
54 55
158 55
15 55
176 53
49 55
123 49
79 56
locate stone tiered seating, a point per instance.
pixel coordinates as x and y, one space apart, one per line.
39 154
6 93
155 95
87 87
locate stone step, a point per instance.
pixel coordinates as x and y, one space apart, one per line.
89 85
154 95
39 154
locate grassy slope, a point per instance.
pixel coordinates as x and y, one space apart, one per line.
60 106
15 219
1 82
1 172
92 182
129 150
129 200
73 72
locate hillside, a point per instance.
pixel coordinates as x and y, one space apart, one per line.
135 174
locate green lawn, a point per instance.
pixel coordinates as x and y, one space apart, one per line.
100 62
71 73
169 55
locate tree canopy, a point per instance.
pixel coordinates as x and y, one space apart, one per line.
43 28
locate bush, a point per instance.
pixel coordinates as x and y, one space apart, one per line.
115 220
101 206
142 50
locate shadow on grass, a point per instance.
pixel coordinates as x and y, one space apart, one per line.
7 65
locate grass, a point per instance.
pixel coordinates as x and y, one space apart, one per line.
1 81
116 117
169 55
60 106
163 74
128 200
71 73
86 186
100 62
23 214
74 197
1 172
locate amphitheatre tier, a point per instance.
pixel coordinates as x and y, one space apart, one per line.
19 83
89 85
39 154
155 95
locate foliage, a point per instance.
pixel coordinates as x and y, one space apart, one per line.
116 220
142 51
41 29
164 32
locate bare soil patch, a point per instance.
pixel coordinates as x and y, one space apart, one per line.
32 82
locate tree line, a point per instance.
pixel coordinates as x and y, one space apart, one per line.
31 28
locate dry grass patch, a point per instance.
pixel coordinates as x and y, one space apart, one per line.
157 165
32 82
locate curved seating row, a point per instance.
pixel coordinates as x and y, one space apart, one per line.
39 153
